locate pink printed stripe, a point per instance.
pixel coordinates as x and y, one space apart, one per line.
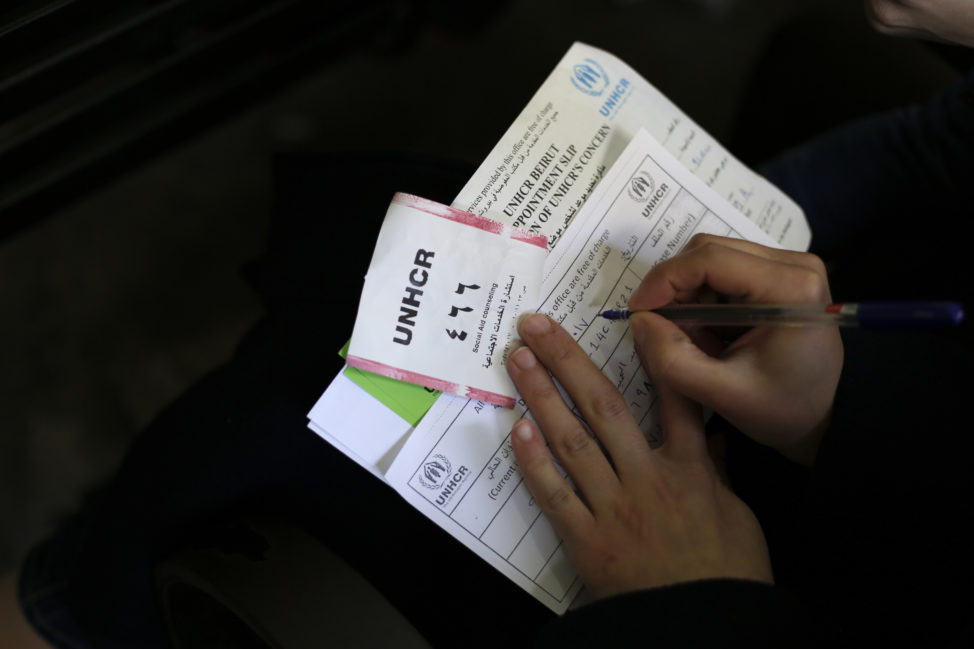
447 212
402 375
533 238
428 381
490 397
466 218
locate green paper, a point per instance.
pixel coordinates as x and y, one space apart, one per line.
408 400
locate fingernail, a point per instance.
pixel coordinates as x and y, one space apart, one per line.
523 430
536 324
524 358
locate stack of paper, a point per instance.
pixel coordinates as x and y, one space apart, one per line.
618 179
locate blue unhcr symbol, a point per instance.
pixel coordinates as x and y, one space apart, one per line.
589 77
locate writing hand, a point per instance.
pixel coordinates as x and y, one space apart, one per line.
775 384
641 517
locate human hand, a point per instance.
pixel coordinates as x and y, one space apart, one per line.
642 518
936 20
776 384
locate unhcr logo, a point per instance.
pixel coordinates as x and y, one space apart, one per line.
641 186
435 472
589 77
439 476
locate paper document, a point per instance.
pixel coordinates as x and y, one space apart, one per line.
408 400
442 297
457 467
371 434
539 176
576 125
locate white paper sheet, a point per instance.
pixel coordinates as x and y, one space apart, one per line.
573 129
368 432
457 466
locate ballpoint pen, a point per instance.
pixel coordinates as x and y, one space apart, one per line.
848 314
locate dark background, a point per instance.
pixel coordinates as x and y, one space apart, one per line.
122 245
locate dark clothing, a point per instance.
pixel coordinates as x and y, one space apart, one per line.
874 537
712 613
887 198
871 540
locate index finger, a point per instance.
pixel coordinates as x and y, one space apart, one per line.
598 399
731 271
807 259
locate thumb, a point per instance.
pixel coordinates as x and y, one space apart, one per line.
681 420
674 361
